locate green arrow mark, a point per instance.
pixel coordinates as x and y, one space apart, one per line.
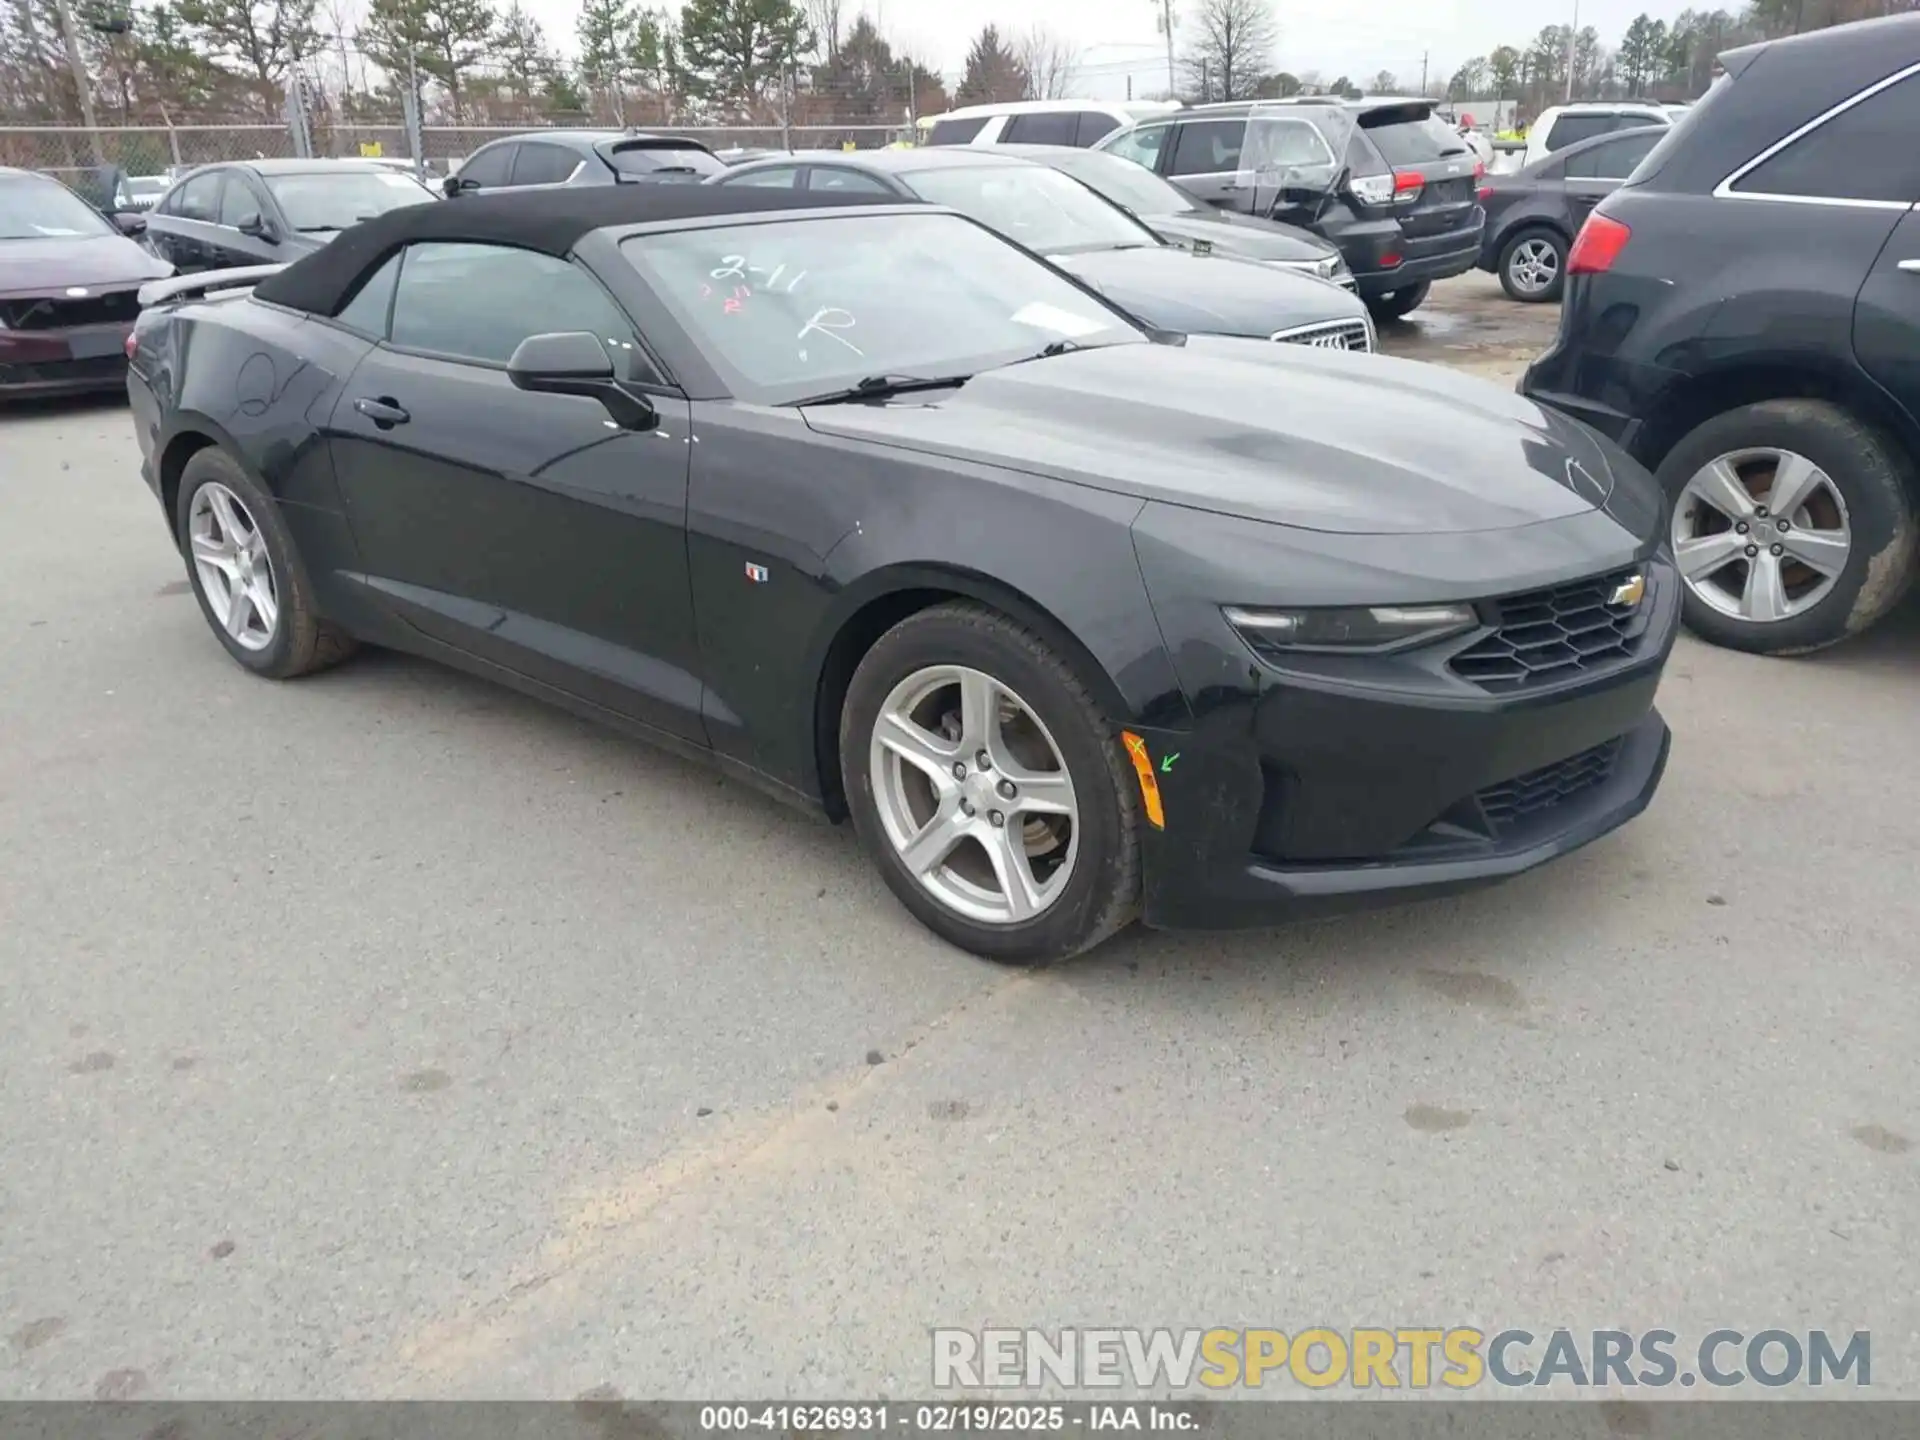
1166 762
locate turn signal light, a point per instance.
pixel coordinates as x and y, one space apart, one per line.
1597 246
131 345
1149 786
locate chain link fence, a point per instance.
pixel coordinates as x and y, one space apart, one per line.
71 153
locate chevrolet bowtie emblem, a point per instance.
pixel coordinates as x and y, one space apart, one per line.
1629 592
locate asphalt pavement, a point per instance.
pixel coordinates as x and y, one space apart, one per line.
385 1033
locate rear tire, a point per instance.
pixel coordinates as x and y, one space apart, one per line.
235 544
1398 304
1853 517
1533 265
915 712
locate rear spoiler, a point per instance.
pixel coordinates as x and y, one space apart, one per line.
209 282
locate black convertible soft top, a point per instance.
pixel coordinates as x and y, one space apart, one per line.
550 221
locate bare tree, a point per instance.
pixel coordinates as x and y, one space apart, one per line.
1050 64
823 18
1230 47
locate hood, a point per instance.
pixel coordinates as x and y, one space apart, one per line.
34 267
1316 439
1241 236
1209 294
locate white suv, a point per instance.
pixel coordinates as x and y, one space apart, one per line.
1079 123
1563 125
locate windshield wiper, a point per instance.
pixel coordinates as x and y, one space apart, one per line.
1049 350
880 387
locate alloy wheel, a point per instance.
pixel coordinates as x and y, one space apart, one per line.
974 795
1761 534
230 558
1534 266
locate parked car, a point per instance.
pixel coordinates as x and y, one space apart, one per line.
1533 216
549 158
1562 125
1384 181
139 192
1179 219
1743 315
1096 242
1075 620
68 282
1038 122
271 211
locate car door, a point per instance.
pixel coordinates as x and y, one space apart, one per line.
541 163
1206 162
488 168
1592 174
243 204
526 529
184 235
1886 316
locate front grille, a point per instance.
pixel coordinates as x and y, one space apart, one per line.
1512 801
1329 335
104 368
112 307
1549 635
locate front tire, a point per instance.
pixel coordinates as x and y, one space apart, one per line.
989 788
1398 304
1793 526
1533 265
246 573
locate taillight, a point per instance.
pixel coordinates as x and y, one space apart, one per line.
1597 246
1484 193
133 344
1407 185
1389 261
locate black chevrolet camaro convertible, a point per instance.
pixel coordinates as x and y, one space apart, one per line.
1076 620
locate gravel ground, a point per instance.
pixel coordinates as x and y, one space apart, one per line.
389 1034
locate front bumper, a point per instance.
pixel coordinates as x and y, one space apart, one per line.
1315 798
63 362
1193 887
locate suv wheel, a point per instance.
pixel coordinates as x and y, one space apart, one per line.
988 787
1793 526
1398 304
1533 265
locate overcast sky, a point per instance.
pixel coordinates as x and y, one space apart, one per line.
1117 37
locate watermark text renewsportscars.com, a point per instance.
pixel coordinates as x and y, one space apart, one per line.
1395 1358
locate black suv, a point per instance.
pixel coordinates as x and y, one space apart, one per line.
1743 315
582 157
1383 181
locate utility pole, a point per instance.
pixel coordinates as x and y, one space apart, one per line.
1206 84
1163 22
1423 72
1573 36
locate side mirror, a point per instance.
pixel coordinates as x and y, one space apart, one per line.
573 362
129 222
453 185
253 224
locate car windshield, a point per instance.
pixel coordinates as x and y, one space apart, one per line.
796 308
318 201
46 210
1126 184
1041 208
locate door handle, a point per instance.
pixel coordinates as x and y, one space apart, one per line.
1912 267
384 411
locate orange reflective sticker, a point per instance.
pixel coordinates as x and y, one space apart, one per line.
1149 787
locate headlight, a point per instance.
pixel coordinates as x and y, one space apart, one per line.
1328 267
1368 629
